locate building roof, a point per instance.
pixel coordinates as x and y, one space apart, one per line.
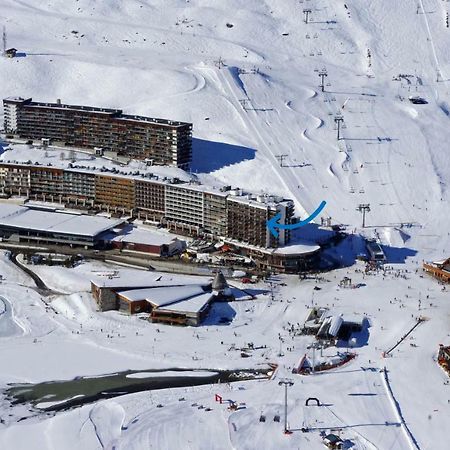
166 296
297 249
288 250
117 113
80 108
263 201
144 236
153 120
135 279
15 99
135 295
50 221
191 305
354 318
335 325
443 264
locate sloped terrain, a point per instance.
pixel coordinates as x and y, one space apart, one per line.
246 73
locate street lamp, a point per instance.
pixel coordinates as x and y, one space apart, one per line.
286 383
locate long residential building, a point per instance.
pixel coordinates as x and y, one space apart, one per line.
164 142
186 207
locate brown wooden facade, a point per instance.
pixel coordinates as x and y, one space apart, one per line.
441 271
189 209
115 192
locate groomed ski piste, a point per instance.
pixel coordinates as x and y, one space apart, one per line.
246 75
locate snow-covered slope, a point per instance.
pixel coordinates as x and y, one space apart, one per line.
246 73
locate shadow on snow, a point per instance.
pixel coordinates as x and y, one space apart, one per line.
208 156
221 313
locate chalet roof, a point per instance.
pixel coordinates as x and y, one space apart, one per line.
163 296
131 279
190 305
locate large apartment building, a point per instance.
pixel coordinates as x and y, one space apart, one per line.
247 218
115 192
79 188
149 199
186 207
164 142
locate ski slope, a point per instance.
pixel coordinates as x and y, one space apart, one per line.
246 75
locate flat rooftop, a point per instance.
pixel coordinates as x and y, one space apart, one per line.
163 296
297 249
130 279
174 187
115 113
146 237
259 201
191 305
50 221
288 250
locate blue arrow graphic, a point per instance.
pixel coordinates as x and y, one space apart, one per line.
272 224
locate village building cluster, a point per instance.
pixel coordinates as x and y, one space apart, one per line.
220 214
185 207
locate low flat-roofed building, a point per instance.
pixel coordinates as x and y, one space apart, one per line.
149 241
291 258
46 225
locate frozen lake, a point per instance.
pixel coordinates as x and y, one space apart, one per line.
8 326
65 394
